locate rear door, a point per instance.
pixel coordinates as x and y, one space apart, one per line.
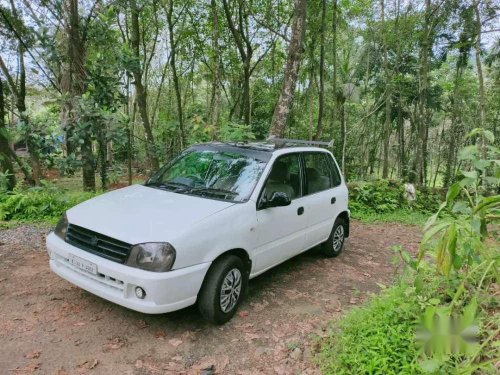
322 190
280 232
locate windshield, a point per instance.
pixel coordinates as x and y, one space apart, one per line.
210 173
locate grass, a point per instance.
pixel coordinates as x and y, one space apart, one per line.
377 338
400 215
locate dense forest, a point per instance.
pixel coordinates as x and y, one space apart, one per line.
106 87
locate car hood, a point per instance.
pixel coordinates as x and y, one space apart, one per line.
137 213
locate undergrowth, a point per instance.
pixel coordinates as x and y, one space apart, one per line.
442 316
39 204
384 200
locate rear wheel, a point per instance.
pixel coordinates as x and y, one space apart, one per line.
335 243
223 289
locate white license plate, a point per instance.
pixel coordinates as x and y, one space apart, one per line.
82 264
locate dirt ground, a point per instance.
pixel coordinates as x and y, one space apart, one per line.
48 326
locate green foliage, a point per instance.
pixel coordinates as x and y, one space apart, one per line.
469 209
381 336
377 338
46 203
235 132
384 200
435 323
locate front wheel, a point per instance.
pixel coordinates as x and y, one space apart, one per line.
335 243
223 289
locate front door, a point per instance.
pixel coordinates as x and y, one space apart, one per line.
280 231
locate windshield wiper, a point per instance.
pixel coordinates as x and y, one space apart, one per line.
210 190
170 186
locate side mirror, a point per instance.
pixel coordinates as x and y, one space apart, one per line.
278 199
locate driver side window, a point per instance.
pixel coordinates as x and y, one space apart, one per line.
284 177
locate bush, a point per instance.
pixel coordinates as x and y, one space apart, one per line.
375 339
384 199
444 318
45 203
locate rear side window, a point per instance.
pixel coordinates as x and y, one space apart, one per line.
319 174
337 180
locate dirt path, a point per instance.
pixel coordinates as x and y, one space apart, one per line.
48 326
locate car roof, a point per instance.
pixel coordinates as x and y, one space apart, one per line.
261 147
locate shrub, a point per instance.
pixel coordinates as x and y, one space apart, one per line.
45 203
386 197
375 339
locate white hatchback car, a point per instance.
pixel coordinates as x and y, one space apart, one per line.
202 226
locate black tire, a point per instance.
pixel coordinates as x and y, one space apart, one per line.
209 298
333 246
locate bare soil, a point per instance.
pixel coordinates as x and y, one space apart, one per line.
48 326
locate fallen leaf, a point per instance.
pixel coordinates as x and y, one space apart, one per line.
138 363
142 324
82 364
243 313
94 364
175 342
160 334
33 355
251 336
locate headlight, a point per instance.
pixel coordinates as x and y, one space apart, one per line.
152 256
61 227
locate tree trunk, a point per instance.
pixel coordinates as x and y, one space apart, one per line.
479 67
421 151
74 86
140 92
388 106
173 66
216 68
5 154
334 57
245 49
285 100
246 92
321 100
36 168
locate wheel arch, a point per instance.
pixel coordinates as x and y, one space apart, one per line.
239 252
345 216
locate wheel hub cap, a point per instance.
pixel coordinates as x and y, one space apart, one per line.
230 290
338 238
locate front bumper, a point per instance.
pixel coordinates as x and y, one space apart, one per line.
165 291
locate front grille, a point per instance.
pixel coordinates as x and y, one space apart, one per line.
97 243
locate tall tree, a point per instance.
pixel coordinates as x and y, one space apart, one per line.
215 96
287 92
5 152
173 65
321 93
73 85
140 91
388 96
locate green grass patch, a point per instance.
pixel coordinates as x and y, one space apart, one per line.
384 201
380 336
377 338
38 205
404 216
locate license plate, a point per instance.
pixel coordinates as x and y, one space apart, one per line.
82 264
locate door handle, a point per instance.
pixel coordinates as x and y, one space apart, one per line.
300 210
333 200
